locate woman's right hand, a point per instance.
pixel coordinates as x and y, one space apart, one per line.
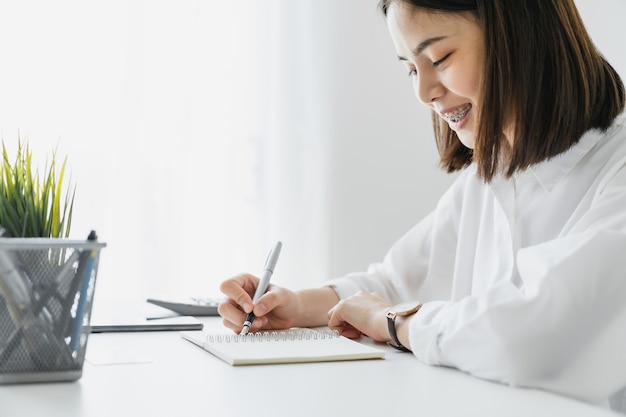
278 308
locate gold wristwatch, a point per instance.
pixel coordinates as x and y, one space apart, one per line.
400 310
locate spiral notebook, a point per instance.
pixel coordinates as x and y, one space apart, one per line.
285 346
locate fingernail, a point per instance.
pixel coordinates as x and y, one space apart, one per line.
261 309
247 307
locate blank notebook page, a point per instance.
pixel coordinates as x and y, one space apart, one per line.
285 346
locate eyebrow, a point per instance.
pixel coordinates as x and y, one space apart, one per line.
417 51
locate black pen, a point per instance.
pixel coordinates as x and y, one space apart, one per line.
268 270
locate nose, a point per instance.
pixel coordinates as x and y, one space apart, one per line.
428 87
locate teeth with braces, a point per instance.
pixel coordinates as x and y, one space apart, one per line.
456 116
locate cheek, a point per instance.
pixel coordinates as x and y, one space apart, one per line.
416 89
463 81
464 85
474 83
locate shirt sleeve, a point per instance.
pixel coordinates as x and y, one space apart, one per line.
564 331
383 277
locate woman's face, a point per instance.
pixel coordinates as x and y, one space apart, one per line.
444 54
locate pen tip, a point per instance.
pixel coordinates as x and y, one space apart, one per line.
244 330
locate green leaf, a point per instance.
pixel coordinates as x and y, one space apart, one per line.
30 207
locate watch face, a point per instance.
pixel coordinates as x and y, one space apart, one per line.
406 308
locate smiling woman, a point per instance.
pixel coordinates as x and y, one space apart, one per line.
200 132
517 274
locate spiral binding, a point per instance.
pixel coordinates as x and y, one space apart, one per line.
273 336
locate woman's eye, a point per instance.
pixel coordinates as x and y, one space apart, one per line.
412 73
439 62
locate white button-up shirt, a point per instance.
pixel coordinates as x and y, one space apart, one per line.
523 280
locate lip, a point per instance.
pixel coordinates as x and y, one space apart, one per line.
455 116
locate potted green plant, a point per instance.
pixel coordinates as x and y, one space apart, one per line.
46 279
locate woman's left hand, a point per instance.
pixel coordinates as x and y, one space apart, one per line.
362 313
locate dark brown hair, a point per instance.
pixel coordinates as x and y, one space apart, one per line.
542 74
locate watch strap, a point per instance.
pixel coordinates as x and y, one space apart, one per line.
395 342
391 324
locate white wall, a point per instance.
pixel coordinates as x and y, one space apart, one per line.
352 164
384 171
385 174
605 23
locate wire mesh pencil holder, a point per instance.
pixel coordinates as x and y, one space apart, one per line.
46 295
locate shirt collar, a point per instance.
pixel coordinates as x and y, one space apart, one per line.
550 172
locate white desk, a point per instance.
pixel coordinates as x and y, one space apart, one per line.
180 379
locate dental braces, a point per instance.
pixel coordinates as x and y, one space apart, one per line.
456 116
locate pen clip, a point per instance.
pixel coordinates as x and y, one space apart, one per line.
267 260
272 257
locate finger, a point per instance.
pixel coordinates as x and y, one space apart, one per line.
233 317
335 319
240 289
349 332
236 327
258 323
230 309
231 313
232 326
267 302
343 328
340 320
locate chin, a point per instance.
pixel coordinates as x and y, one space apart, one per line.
466 140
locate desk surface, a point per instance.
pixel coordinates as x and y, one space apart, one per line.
168 376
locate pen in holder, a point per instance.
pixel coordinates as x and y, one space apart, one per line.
46 294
